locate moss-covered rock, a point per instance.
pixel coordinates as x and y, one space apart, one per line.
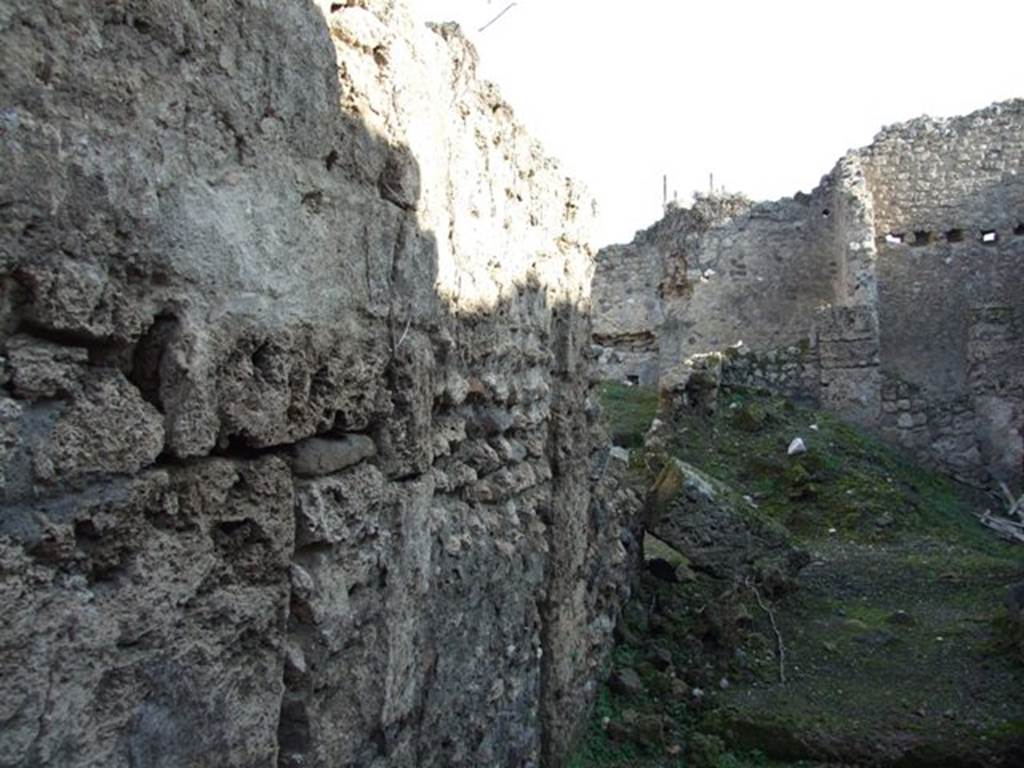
705 750
715 528
750 417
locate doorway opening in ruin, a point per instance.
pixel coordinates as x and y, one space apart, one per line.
1019 229
955 236
922 238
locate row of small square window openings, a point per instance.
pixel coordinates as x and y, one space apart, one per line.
986 236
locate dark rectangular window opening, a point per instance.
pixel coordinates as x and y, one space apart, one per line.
895 238
633 381
1019 229
989 236
955 236
922 238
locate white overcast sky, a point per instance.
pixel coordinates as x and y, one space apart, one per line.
765 94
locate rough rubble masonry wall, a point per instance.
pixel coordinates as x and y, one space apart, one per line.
723 271
949 212
892 293
627 310
295 438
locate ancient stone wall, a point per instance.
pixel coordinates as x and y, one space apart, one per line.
949 211
722 272
792 371
298 461
627 308
755 279
892 293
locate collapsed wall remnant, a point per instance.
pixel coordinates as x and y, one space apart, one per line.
892 293
295 438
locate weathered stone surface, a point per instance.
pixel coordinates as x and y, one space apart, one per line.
590 590
333 509
143 622
11 412
712 526
317 456
230 235
41 369
105 429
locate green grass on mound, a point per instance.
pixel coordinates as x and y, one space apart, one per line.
848 480
628 411
895 643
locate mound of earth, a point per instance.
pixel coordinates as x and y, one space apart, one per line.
896 648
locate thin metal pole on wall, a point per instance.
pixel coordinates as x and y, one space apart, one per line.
506 9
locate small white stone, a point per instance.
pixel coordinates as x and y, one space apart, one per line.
797 447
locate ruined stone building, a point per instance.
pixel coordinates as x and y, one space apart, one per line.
295 434
893 293
299 459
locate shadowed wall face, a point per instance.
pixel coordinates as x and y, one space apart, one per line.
295 443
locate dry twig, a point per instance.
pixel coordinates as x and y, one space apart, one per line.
408 324
1007 527
1016 505
781 648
